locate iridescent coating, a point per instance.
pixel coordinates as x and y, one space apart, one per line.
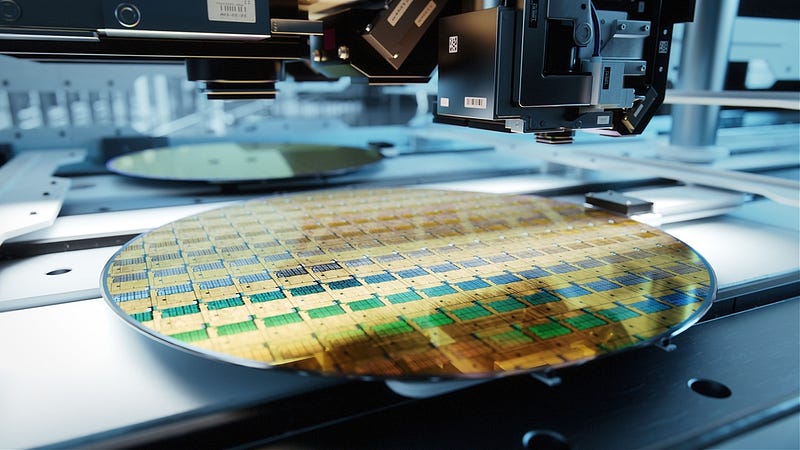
407 283
227 162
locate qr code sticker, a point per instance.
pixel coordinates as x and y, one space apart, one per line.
663 46
452 46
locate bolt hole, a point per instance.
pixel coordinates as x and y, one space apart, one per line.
59 271
33 213
709 388
103 209
544 440
46 194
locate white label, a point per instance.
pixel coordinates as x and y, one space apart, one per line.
242 11
475 102
444 102
603 120
398 12
452 44
426 12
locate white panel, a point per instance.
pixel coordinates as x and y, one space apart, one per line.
76 369
25 283
30 197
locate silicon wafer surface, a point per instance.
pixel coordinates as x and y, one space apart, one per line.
230 162
407 283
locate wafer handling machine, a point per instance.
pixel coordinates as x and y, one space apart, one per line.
353 224
540 66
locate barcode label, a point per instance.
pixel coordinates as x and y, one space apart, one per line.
242 11
452 44
475 102
398 11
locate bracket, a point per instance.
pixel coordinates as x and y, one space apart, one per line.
30 196
547 377
666 344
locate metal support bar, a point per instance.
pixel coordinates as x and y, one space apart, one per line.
704 61
580 156
782 191
744 99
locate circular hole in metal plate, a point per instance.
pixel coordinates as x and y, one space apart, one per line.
709 388
59 271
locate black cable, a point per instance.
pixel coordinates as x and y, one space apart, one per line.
596 24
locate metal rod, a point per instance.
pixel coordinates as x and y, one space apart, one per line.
704 61
745 99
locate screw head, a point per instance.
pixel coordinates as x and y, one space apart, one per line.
10 11
128 15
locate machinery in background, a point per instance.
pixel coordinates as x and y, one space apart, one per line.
97 79
557 66
542 66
